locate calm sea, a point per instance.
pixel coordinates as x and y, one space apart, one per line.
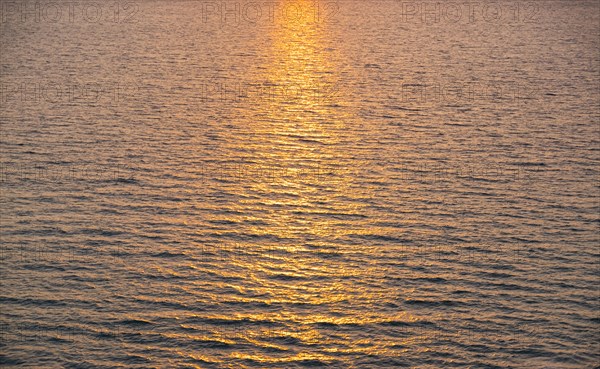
290 184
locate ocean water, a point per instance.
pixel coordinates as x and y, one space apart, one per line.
289 184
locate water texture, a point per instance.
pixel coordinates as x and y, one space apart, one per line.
291 184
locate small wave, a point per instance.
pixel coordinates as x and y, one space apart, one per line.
432 303
167 254
7 360
135 322
125 180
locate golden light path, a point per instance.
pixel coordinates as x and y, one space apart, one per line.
300 130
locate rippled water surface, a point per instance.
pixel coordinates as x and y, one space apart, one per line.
347 184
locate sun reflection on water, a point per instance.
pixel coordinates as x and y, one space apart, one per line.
296 215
